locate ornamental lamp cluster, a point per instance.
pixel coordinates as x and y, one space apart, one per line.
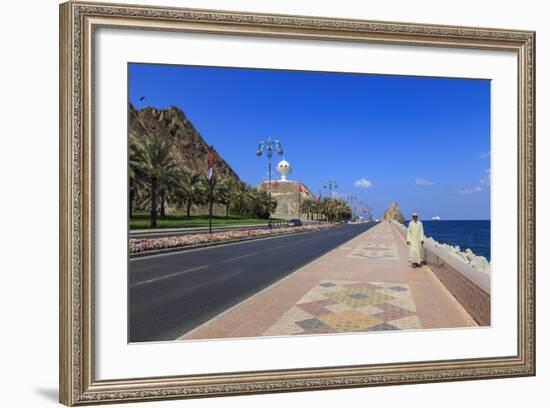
269 146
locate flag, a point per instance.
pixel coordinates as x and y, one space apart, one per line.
210 167
318 198
300 188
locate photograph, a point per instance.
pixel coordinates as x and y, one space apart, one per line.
270 202
275 204
260 202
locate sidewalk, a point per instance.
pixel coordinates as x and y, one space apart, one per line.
364 285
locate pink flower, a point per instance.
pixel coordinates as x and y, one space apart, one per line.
147 244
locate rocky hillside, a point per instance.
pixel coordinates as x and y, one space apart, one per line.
173 125
394 213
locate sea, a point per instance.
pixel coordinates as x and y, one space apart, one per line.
473 234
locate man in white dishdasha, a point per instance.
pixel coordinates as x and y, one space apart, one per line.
415 240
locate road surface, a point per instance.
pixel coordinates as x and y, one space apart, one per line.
170 294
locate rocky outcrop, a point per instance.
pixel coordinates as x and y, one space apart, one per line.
394 214
173 125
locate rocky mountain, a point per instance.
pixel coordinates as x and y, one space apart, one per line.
394 213
172 124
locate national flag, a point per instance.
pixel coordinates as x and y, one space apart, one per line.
300 188
210 167
318 198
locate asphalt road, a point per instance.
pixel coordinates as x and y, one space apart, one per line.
170 294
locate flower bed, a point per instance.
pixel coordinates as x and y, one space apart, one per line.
150 244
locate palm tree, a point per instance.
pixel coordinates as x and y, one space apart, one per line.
240 203
243 199
158 166
341 210
334 209
135 176
226 193
191 190
307 207
315 210
168 187
260 203
325 208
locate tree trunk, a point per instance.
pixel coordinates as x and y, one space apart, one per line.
227 211
131 199
154 188
189 203
162 206
210 206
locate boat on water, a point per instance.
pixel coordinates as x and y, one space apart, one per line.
436 218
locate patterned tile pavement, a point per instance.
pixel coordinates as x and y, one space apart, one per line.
337 306
364 285
375 251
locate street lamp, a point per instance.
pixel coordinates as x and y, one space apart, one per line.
330 184
350 198
268 146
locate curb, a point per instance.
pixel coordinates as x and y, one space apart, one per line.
162 232
182 337
189 247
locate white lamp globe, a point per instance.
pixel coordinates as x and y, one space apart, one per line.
284 168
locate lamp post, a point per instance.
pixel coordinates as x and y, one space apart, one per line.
350 198
369 213
330 184
268 146
210 178
299 201
319 200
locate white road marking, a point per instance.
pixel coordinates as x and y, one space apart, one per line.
278 282
239 257
170 253
169 276
275 248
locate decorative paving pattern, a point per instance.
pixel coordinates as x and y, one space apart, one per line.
381 236
382 233
385 251
349 306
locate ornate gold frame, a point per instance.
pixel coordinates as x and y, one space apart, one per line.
78 22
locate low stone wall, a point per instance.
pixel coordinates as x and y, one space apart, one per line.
465 275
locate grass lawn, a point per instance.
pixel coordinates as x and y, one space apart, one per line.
180 220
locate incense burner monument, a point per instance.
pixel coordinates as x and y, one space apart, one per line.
287 192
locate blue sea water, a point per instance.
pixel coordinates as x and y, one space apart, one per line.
472 234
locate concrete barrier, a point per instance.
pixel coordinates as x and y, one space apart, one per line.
466 277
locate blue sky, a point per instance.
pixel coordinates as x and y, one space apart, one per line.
423 142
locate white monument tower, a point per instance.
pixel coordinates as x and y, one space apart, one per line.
284 168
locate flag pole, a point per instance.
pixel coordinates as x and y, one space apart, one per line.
211 183
319 207
210 209
299 201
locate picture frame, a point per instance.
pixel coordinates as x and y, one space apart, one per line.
79 22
